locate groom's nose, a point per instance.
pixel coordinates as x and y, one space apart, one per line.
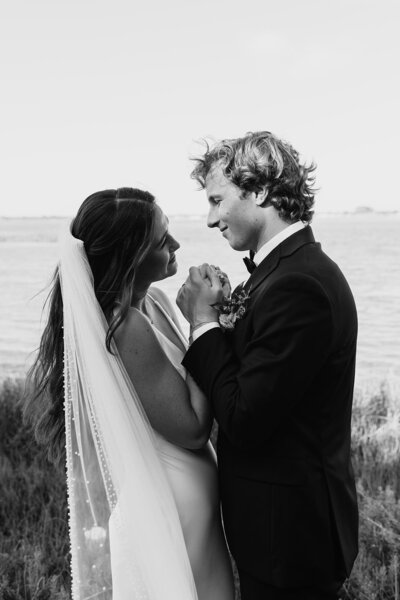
212 217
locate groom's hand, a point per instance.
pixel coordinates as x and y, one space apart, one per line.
198 295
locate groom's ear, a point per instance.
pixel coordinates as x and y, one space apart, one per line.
261 197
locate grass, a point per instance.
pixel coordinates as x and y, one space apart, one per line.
376 461
34 548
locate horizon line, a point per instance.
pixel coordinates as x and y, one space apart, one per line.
360 210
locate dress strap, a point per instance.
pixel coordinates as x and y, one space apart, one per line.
174 326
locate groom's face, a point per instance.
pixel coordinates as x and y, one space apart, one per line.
231 211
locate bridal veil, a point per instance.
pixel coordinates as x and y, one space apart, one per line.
116 483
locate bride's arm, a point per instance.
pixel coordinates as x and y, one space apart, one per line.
175 408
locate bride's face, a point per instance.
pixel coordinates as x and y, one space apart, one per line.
160 261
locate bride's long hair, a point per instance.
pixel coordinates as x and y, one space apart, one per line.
116 227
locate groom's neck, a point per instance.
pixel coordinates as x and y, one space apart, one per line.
273 225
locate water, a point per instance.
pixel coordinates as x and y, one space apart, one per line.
367 248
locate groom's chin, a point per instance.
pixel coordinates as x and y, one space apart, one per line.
238 246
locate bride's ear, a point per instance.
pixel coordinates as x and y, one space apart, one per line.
261 197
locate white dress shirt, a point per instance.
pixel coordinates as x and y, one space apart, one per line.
276 240
258 258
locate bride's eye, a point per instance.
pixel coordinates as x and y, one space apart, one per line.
162 243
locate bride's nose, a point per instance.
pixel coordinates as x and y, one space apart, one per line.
175 245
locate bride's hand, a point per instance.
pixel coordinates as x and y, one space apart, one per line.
224 279
204 273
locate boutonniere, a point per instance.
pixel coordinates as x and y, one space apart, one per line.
232 309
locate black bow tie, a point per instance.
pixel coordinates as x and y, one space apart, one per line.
250 264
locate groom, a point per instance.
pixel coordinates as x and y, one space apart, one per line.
281 382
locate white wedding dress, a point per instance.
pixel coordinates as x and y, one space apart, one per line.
143 513
193 478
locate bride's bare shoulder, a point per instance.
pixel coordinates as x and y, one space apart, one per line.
138 346
135 325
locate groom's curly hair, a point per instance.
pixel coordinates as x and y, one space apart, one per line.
117 229
261 162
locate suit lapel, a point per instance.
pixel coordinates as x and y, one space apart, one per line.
270 262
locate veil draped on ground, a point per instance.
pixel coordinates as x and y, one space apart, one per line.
126 538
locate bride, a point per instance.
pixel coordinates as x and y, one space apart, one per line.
111 394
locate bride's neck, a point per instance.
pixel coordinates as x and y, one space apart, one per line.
138 298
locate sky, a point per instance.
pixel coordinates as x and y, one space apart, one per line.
100 94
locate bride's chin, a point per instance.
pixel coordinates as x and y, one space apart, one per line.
172 268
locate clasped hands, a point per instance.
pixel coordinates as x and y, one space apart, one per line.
205 288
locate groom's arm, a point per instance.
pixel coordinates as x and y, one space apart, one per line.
196 332
292 333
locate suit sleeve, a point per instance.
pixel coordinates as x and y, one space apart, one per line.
292 334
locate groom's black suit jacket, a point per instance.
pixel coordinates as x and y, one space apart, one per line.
281 385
